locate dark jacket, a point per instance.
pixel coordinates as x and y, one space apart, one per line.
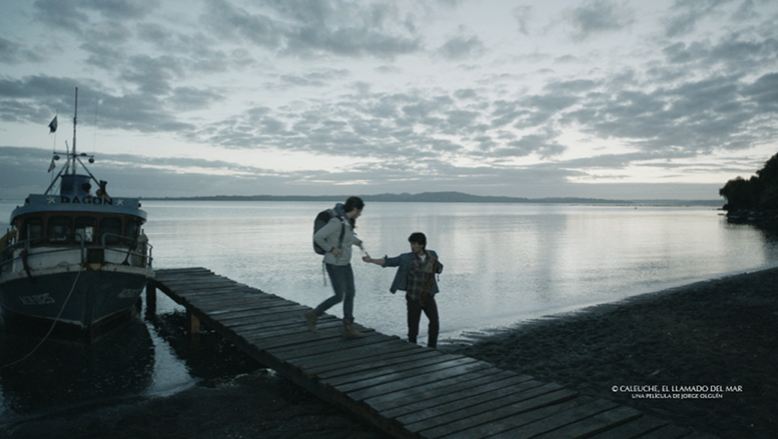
403 262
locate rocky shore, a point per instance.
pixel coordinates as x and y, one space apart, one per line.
713 341
720 334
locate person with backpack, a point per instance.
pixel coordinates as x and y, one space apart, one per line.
415 275
333 237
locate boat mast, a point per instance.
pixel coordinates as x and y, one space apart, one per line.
75 121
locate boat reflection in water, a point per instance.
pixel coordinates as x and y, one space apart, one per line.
63 373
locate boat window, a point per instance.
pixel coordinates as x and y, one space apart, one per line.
59 228
85 229
110 229
133 227
32 229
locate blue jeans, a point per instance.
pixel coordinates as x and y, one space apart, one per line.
342 279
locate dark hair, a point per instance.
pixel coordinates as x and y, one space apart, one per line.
353 203
418 238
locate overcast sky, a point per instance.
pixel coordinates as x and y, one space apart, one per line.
609 99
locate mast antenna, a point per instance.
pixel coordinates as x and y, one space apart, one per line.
75 121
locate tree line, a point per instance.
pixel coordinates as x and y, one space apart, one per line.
760 192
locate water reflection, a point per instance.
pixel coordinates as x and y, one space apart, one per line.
63 373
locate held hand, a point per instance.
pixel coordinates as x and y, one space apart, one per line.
367 259
336 251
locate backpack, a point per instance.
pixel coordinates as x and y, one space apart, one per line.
322 218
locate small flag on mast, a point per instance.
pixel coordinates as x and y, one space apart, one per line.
53 125
51 165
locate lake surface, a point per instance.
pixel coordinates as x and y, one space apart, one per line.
504 263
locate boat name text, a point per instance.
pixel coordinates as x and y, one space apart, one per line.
84 200
37 299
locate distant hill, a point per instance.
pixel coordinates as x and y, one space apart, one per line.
445 197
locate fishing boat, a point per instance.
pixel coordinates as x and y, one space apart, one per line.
71 255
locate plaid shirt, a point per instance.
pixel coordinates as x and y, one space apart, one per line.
420 277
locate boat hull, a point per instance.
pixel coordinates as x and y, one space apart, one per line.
83 298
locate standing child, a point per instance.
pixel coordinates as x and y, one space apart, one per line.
416 276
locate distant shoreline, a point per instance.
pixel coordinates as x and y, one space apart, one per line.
446 197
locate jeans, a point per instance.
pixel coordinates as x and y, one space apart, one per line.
342 279
430 309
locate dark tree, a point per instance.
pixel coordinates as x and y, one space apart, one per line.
760 192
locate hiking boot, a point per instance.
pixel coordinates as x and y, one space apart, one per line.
310 319
349 331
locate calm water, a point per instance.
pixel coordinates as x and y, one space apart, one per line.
503 263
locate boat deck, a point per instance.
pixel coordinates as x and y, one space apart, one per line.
402 389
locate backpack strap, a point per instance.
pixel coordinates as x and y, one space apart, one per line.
342 232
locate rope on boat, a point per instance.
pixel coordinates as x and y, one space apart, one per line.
53 324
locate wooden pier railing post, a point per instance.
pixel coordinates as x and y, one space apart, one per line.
193 323
151 299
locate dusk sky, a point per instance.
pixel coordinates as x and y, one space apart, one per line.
606 99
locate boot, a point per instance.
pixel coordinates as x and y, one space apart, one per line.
349 331
310 319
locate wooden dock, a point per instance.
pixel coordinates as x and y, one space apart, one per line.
402 389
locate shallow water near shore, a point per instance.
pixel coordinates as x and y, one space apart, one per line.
503 264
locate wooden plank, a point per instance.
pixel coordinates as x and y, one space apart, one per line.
527 399
228 313
559 419
421 380
226 299
485 383
186 292
165 277
268 323
497 421
424 371
506 394
383 365
263 322
336 345
415 365
178 289
198 283
261 327
309 337
284 330
632 429
209 294
171 282
595 424
178 278
267 310
430 390
246 302
318 362
668 432
165 271
260 299
269 315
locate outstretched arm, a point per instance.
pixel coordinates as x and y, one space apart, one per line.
370 260
386 261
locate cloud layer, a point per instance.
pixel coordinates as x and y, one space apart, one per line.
398 93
